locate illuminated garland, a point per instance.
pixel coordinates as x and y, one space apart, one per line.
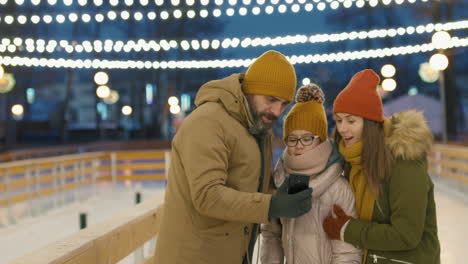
177 13
50 46
232 63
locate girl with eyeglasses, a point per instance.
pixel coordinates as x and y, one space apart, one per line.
308 151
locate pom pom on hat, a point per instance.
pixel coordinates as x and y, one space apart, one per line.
308 113
310 92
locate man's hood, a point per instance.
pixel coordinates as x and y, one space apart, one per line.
228 92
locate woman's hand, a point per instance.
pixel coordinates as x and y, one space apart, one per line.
332 226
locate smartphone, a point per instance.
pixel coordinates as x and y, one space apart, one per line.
298 182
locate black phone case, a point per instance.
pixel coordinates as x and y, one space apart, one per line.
298 182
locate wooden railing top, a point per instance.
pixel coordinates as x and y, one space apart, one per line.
51 159
454 151
79 148
106 242
81 156
447 146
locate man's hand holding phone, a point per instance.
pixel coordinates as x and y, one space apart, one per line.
298 182
290 205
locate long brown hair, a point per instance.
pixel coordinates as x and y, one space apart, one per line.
375 157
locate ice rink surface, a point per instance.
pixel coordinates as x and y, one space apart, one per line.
29 233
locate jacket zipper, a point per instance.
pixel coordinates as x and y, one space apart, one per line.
255 228
375 259
401 261
378 206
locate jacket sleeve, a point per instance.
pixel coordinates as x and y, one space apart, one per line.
271 249
342 252
204 154
407 196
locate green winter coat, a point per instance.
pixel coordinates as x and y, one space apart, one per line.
212 196
404 226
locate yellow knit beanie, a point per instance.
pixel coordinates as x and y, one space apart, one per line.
271 74
308 113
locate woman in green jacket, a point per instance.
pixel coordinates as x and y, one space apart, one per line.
387 167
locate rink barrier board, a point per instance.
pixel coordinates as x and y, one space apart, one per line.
104 179
18 184
105 242
452 175
455 152
104 169
140 172
142 177
456 165
22 154
148 166
45 179
46 192
19 198
16 171
44 176
450 162
69 186
50 161
132 155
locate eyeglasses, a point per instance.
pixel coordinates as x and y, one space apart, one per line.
305 140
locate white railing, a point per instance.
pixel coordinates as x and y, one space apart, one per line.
52 182
106 242
449 161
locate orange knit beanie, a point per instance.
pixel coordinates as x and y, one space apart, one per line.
360 97
271 74
308 113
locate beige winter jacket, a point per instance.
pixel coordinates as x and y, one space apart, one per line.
302 240
211 196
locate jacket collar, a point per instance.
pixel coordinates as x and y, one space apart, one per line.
407 135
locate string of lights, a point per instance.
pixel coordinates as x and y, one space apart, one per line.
174 3
40 45
144 3
231 63
177 13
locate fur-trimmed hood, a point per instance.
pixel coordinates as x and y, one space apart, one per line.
407 135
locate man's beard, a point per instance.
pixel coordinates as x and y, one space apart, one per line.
260 127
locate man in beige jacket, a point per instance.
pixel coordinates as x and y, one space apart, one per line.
219 178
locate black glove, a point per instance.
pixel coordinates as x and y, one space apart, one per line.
289 205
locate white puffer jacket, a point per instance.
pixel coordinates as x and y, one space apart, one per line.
302 240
